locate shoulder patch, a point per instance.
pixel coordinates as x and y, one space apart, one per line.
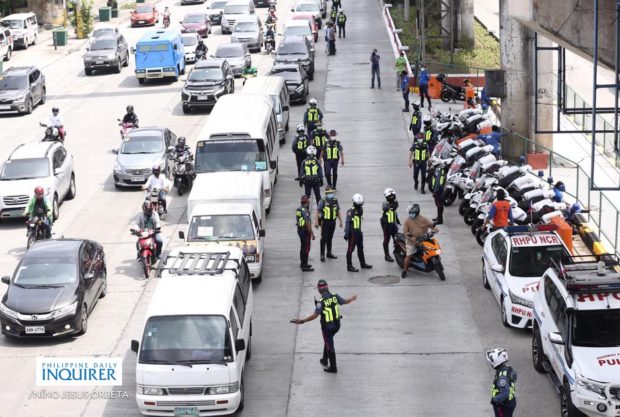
319 305
502 382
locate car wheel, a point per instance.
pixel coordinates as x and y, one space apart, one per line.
72 189
503 313
9 52
286 127
485 278
83 320
538 355
88 71
26 43
567 408
104 285
126 64
29 106
34 40
119 66
186 109
242 391
55 208
44 96
141 80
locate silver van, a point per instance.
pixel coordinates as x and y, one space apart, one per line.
234 9
274 87
24 27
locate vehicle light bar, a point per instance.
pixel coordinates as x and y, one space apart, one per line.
589 277
531 228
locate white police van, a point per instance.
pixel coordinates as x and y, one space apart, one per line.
514 259
576 335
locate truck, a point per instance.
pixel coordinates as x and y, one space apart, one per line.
227 208
159 54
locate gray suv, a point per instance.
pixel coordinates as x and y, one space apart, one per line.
209 80
296 50
107 52
22 88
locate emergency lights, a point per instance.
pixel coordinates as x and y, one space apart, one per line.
531 228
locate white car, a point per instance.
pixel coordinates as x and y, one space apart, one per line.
307 6
190 40
513 261
576 335
45 164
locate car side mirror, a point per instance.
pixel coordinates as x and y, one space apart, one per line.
87 48
181 235
239 345
132 50
175 47
285 108
135 346
497 268
57 171
556 338
292 10
261 233
115 151
6 280
180 22
89 275
230 77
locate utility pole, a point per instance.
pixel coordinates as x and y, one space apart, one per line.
79 25
422 33
406 14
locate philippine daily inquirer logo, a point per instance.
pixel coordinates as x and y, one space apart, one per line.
79 371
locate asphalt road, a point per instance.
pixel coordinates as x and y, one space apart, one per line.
412 347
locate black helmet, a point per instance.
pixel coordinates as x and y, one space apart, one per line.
200 41
130 109
156 169
181 141
147 209
55 109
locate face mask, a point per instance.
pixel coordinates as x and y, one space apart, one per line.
330 196
412 215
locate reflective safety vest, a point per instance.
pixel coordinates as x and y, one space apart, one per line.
330 209
502 210
356 221
342 18
320 139
428 135
331 150
301 220
313 114
329 309
302 143
311 168
442 179
420 151
508 373
390 215
414 119
334 14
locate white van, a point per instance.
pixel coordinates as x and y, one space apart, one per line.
241 135
24 27
197 335
274 87
227 208
234 9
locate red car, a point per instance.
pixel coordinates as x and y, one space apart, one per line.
196 23
310 18
144 14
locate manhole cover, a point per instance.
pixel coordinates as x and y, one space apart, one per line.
385 280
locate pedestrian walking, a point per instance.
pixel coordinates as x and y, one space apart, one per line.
312 115
416 119
437 187
328 210
342 21
331 36
333 14
305 233
389 221
311 174
404 86
430 135
418 156
401 65
470 95
319 136
503 389
353 234
328 309
299 145
423 86
336 4
332 153
374 69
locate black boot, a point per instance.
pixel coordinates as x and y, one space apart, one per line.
332 363
330 255
335 180
363 264
328 178
307 268
386 252
322 250
439 219
323 360
415 185
423 192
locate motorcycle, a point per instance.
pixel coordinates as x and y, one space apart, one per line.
200 54
126 128
166 20
146 249
270 44
428 260
183 177
52 134
152 197
450 92
35 230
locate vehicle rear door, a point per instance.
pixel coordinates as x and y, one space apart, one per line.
87 277
36 85
62 171
499 255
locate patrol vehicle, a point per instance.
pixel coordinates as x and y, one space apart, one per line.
513 261
576 335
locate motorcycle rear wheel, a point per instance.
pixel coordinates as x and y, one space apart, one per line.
463 206
481 236
146 266
445 96
469 217
475 226
449 198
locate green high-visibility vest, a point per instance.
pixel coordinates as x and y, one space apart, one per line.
311 168
313 114
332 150
330 210
330 311
301 221
495 389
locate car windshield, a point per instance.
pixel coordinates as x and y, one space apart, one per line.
218 4
206 74
194 18
228 227
596 328
144 9
142 144
103 31
40 271
231 155
288 74
307 7
13 24
229 51
236 9
190 40
13 83
297 31
293 48
246 27
189 338
21 169
101 44
533 261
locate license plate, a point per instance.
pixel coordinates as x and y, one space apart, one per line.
98 62
141 22
35 329
5 107
203 98
185 411
137 179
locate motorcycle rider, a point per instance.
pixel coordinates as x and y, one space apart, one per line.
160 182
389 221
271 17
130 117
414 228
300 144
311 116
149 219
311 174
39 204
56 120
166 16
500 212
270 37
494 138
183 150
249 70
558 191
201 49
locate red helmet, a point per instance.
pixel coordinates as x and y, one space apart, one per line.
39 191
304 199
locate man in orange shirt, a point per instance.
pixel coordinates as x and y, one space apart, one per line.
470 95
500 213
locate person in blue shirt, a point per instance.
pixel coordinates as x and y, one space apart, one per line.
327 309
485 100
374 69
423 85
558 191
494 138
404 87
503 389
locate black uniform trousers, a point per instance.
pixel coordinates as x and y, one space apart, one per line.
356 240
341 31
438 196
327 235
299 158
310 186
506 409
419 168
304 250
331 171
329 331
390 230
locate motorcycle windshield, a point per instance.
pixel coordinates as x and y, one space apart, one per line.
456 165
487 196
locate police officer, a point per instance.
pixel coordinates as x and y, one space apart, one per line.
418 157
304 230
353 234
311 174
319 136
416 119
389 221
300 144
331 153
437 186
327 211
328 309
312 115
333 15
341 22
429 135
503 390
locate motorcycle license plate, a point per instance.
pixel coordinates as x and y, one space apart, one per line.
137 179
35 329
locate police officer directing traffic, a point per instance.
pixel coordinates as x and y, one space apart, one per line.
353 234
503 390
328 309
312 115
328 210
300 144
304 230
389 221
311 174
331 153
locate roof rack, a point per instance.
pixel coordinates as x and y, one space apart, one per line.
192 263
589 277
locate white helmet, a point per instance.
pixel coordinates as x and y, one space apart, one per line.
388 192
415 103
311 150
446 115
358 199
496 357
426 118
313 101
300 128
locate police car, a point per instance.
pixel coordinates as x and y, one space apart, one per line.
513 261
576 335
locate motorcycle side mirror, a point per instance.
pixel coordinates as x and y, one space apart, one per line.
273 164
556 338
181 235
497 268
261 233
6 280
115 151
170 148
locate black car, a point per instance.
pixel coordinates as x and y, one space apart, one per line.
107 52
54 289
296 80
208 81
296 49
22 88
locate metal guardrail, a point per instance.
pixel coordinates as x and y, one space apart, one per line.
393 35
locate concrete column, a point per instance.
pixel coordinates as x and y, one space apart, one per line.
447 22
466 24
515 61
545 93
